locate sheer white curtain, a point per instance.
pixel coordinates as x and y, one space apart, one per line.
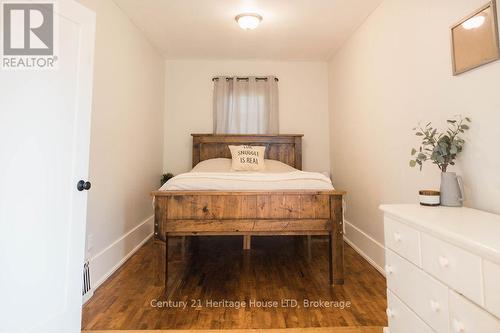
246 106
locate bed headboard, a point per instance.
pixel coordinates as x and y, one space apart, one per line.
286 148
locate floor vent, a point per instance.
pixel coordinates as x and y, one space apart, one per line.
87 287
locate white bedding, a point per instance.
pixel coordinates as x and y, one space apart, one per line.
216 175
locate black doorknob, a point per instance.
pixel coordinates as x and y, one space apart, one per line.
83 185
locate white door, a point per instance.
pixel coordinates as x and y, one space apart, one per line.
44 152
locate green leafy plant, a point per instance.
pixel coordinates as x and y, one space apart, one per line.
441 148
165 177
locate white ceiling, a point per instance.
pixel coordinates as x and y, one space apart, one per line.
206 29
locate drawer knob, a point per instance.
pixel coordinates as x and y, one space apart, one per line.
388 269
458 326
390 313
435 306
443 261
397 237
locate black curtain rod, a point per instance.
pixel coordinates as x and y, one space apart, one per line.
244 78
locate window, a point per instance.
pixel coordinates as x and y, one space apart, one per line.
246 105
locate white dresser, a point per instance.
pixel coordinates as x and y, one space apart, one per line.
443 269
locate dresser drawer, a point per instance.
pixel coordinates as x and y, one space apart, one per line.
455 267
491 273
402 319
402 239
426 296
466 317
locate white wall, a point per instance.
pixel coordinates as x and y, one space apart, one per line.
394 72
303 93
126 138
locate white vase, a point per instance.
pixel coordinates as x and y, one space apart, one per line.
451 190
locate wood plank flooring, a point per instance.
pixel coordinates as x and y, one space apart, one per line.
284 330
216 279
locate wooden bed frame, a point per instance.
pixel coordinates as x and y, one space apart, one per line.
253 213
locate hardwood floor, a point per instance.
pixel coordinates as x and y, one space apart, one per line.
216 279
283 330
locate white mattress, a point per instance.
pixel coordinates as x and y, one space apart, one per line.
275 177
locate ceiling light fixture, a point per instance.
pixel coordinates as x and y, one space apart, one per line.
248 21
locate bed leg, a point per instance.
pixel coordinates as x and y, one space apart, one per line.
158 261
166 262
336 243
309 253
330 258
194 244
336 256
247 242
302 246
183 247
336 262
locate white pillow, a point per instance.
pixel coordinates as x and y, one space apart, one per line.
273 166
213 165
248 158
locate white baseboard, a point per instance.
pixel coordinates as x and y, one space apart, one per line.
106 262
366 246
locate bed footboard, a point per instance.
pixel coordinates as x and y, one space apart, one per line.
272 213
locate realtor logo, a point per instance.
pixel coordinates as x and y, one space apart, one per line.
28 36
28 29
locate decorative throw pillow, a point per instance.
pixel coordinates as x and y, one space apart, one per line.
248 158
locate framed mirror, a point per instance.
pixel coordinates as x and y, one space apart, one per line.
475 39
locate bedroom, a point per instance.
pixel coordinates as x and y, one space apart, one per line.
348 81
